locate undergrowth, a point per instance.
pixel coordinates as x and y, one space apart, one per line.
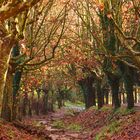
61 125
115 123
108 130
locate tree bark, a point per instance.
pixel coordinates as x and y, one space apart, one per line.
25 103
16 83
128 80
88 91
60 98
123 97
30 108
114 83
38 102
45 103
128 73
6 112
106 94
135 91
99 94
5 54
18 7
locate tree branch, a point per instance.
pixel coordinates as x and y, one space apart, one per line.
8 10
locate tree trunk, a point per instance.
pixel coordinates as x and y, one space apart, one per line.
94 96
115 95
123 98
106 93
6 112
99 94
45 103
5 53
129 90
120 98
135 91
30 108
90 99
128 78
59 98
88 91
16 84
114 83
24 105
38 102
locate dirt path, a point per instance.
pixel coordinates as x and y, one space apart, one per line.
56 133
91 119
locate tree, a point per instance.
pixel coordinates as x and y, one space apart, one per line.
21 23
9 36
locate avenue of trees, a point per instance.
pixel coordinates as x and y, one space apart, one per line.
57 50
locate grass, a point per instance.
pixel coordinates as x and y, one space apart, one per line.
94 108
120 112
74 127
59 124
124 111
77 104
70 112
109 130
106 108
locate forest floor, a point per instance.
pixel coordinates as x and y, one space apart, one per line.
9 132
72 124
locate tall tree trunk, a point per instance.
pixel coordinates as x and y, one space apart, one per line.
6 112
111 43
16 83
5 53
12 88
